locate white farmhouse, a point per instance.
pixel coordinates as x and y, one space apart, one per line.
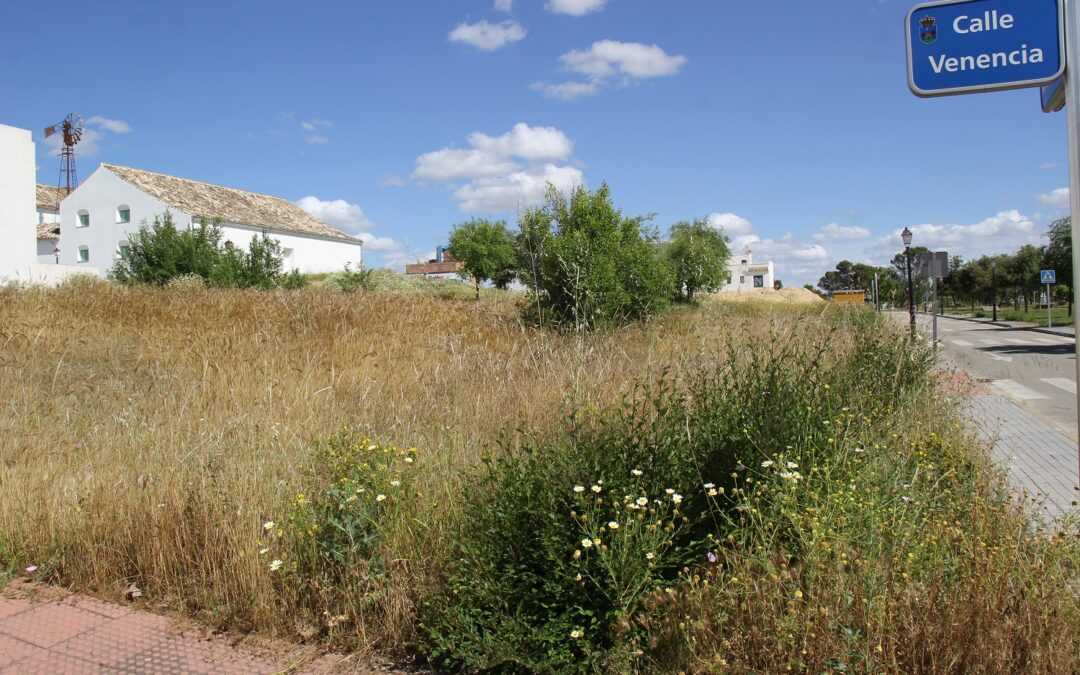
746 275
48 223
97 219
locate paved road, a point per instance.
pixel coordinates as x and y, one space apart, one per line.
1036 370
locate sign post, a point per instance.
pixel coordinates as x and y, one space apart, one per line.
1048 278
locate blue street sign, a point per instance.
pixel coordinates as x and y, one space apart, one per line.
1048 276
969 46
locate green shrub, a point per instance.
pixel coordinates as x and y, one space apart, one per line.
524 590
588 265
352 281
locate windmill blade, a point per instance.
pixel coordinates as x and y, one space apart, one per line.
49 131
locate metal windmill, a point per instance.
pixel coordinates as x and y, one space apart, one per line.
72 129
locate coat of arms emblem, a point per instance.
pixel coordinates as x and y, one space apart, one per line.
928 30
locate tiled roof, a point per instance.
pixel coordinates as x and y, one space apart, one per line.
228 205
48 231
49 196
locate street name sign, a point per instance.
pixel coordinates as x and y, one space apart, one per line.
1048 276
971 46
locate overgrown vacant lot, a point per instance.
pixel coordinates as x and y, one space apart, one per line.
398 473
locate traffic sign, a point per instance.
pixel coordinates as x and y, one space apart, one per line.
971 46
1048 276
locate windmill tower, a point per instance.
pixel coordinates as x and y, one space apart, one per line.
72 130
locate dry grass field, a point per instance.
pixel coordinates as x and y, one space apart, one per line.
146 434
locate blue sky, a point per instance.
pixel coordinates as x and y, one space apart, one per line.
788 123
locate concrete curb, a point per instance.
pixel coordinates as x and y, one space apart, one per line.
999 324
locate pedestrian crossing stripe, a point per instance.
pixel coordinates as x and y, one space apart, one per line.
1049 277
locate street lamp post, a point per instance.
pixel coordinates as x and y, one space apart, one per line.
906 237
993 286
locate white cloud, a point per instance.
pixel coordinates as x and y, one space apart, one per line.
567 91
611 63
88 146
1049 165
1007 230
312 125
452 164
488 36
574 7
373 243
835 231
519 189
607 58
506 171
537 143
504 5
337 212
115 126
733 225
1058 197
391 180
316 140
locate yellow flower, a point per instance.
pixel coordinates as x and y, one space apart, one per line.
677 498
577 554
596 488
586 543
798 594
713 492
613 525
649 555
275 565
642 501
579 488
576 633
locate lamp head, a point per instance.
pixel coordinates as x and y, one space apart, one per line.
906 236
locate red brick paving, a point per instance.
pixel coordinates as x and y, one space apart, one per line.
68 633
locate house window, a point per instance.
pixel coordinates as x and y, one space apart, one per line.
84 218
124 250
743 262
759 281
742 280
123 213
83 254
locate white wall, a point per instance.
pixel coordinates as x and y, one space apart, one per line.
18 200
743 269
104 191
45 249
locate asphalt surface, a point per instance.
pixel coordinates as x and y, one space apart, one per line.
1036 370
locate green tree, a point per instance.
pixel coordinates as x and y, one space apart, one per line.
698 255
1058 255
486 249
159 252
1024 271
587 264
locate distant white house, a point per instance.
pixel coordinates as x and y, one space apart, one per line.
746 275
48 222
98 218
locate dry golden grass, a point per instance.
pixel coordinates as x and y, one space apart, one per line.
145 433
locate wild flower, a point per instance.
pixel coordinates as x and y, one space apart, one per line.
579 488
792 465
577 553
275 565
596 488
577 633
380 498
612 525
586 543
709 486
669 491
635 472
905 499
264 551
767 463
642 501
711 556
268 525
677 498
712 492
650 555
395 483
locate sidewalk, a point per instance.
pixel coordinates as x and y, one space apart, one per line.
48 630
1041 461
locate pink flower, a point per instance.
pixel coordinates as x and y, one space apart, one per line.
31 569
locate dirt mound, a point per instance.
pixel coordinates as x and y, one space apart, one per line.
790 296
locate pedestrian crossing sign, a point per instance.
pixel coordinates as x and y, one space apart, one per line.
1048 277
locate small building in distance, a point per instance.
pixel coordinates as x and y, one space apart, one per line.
851 297
441 265
746 275
98 217
48 222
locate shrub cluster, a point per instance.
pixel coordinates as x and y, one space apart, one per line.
160 252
